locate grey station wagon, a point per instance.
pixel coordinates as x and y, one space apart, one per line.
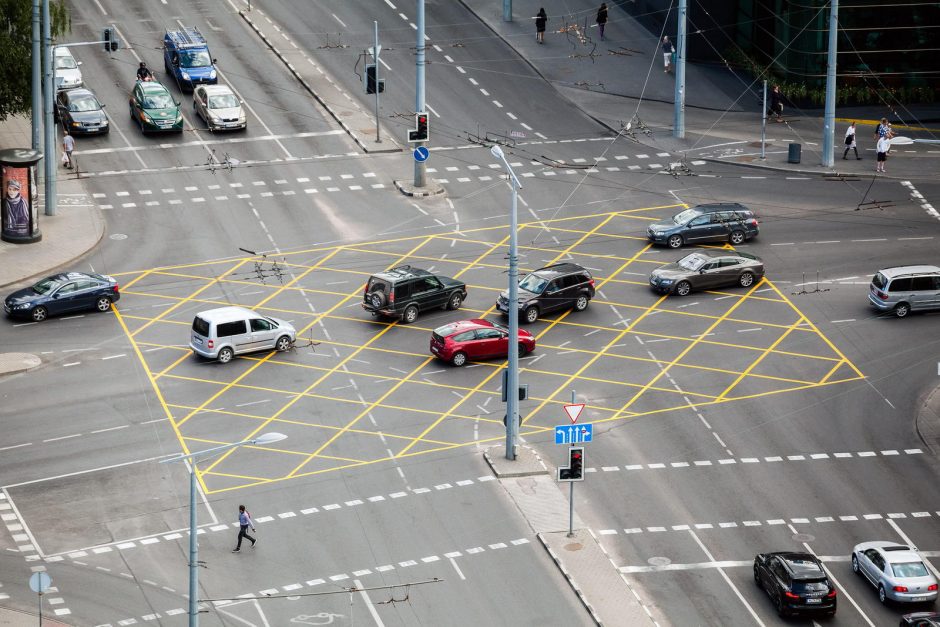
706 269
904 289
716 222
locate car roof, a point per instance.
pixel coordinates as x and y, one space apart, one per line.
71 276
802 564
720 206
897 271
227 314
62 51
152 87
402 272
723 252
215 90
460 326
561 268
78 91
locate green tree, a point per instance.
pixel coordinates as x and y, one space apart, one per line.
16 51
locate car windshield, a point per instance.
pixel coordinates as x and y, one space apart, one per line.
909 569
692 262
195 58
65 63
225 101
158 101
44 286
685 216
533 283
84 103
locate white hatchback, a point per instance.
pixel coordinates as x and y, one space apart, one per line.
228 331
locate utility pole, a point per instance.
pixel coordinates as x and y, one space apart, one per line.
378 138
829 120
420 167
678 129
507 10
48 88
37 76
763 124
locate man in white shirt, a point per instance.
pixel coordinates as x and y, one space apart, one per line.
884 144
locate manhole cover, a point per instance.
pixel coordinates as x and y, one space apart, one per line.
659 561
574 546
119 236
803 537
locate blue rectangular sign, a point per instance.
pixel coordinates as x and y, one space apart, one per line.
574 434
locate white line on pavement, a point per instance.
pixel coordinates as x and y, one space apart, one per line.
727 579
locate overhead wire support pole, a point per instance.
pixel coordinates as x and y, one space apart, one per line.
378 137
763 124
49 160
37 76
679 122
420 166
829 119
507 10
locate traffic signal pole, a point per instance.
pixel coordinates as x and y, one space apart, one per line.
420 167
679 113
37 76
571 492
378 137
49 158
829 118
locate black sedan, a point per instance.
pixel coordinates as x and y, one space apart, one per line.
79 111
61 293
795 582
706 269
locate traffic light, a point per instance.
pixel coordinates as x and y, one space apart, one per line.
420 134
575 469
523 388
111 41
369 79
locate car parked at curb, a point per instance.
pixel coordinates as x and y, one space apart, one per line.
406 291
467 340
154 108
707 269
904 289
896 571
219 108
716 222
552 288
79 111
63 293
65 70
795 582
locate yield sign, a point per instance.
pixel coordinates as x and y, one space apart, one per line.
574 411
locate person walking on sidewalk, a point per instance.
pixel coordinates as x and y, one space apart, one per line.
602 18
244 521
850 142
668 50
68 145
884 145
540 20
776 104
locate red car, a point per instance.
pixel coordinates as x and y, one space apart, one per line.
475 339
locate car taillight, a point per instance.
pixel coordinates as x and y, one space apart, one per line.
832 594
753 222
932 587
790 595
591 282
117 288
881 295
211 344
365 290
391 297
900 588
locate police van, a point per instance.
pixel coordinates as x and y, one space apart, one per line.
187 59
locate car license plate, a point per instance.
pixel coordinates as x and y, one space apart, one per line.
920 598
198 340
814 600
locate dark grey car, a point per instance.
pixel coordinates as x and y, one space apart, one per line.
707 269
717 222
79 111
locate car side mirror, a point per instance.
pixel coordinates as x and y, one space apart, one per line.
103 105
177 103
214 61
702 271
79 63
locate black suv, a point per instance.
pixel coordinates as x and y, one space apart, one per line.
559 286
715 222
795 582
404 291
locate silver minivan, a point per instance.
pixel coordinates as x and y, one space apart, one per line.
228 331
904 289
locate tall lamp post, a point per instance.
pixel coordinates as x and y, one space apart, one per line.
193 458
512 381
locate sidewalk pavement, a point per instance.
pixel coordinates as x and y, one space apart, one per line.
15 618
76 228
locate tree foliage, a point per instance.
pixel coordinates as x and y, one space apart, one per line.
16 51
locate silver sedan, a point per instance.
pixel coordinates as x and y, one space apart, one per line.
219 107
896 570
706 269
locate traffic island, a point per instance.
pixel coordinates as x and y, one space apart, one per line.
430 189
11 363
526 464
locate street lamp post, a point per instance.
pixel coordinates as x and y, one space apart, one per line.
512 381
193 458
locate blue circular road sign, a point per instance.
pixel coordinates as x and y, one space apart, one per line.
421 154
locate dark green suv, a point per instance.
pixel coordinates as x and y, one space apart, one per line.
405 291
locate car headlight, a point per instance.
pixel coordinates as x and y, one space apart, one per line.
665 281
212 74
179 115
185 76
659 233
76 124
23 306
214 117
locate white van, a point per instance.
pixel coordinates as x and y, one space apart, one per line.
228 331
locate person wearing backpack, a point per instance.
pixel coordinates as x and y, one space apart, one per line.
244 521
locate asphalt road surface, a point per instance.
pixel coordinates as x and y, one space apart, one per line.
726 423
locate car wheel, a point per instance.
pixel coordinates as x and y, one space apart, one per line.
225 355
531 314
855 568
523 351
283 343
410 315
674 241
902 309
737 237
377 299
103 304
746 279
459 359
683 288
582 302
455 301
39 314
781 607
882 595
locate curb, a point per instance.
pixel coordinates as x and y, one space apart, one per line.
927 421
12 363
310 89
410 190
574 585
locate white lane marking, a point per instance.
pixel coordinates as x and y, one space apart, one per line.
727 579
339 20
255 113
111 429
460 574
365 597
113 357
907 541
101 8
